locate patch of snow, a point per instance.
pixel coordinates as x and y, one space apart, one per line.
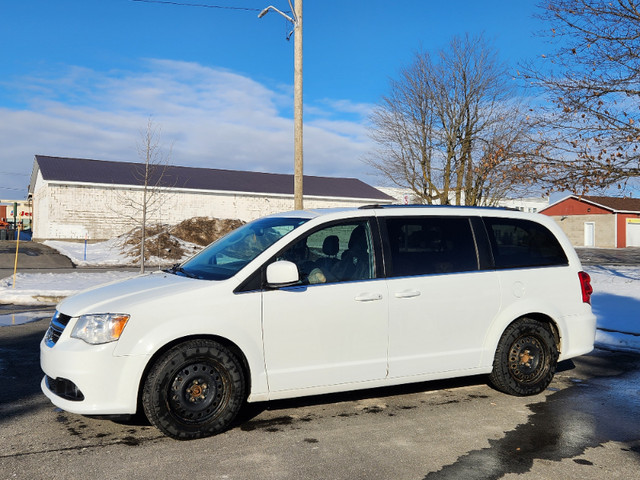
616 304
50 288
99 254
112 252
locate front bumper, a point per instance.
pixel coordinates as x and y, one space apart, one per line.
89 379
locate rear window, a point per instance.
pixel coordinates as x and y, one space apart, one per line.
430 245
518 243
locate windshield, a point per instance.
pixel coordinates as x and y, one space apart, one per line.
228 255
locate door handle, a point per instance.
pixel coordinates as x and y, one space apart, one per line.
407 294
368 297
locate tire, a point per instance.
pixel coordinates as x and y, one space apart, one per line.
194 390
525 359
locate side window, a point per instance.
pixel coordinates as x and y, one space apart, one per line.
523 243
337 253
428 245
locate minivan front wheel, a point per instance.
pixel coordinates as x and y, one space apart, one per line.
194 390
525 359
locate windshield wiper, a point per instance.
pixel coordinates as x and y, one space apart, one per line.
177 269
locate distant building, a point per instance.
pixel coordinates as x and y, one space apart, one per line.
81 198
16 212
406 196
608 222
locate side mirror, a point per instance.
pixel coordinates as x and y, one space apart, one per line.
282 274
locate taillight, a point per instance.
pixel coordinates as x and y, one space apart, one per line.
585 285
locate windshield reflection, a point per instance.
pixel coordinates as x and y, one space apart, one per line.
228 255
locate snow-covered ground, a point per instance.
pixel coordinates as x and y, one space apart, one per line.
109 253
616 303
616 298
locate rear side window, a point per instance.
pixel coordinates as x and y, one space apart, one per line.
430 245
520 243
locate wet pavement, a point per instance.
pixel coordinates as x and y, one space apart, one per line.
596 408
12 317
586 425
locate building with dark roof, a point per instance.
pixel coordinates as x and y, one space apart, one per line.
592 221
96 199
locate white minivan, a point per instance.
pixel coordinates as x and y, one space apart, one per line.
314 302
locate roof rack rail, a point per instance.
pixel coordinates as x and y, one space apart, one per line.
420 205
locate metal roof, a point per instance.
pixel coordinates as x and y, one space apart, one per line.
613 204
89 171
616 204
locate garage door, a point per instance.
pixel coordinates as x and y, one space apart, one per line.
633 232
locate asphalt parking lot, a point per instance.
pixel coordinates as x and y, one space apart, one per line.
609 256
586 425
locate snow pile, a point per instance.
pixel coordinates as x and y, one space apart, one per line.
164 244
103 254
116 252
616 304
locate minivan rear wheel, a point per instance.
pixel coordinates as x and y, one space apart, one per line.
194 390
525 359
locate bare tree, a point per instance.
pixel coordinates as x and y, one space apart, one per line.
590 139
151 175
451 129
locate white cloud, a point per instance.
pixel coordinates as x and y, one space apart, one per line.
211 117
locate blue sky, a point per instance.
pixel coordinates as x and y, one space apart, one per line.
80 78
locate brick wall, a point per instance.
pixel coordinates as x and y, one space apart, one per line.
100 213
573 226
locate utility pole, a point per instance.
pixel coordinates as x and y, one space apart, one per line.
296 20
297 108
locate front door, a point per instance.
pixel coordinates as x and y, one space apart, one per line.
332 328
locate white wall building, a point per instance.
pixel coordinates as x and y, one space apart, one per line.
405 196
80 198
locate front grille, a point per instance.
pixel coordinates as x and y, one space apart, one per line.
56 327
64 388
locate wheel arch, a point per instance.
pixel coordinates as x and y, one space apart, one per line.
546 319
492 342
233 347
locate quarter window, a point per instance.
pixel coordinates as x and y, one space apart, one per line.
523 243
430 245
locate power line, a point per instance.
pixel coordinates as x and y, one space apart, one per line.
201 5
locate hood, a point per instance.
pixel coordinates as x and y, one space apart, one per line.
122 295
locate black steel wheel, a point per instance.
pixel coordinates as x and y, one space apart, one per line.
194 390
525 359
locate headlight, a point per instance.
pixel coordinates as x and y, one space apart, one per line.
100 328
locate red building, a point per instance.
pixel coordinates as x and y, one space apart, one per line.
607 222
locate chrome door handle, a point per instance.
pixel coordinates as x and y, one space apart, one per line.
368 297
407 294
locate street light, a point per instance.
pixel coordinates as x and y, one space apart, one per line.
271 7
296 21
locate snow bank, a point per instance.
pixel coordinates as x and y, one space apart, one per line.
100 254
50 288
616 304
